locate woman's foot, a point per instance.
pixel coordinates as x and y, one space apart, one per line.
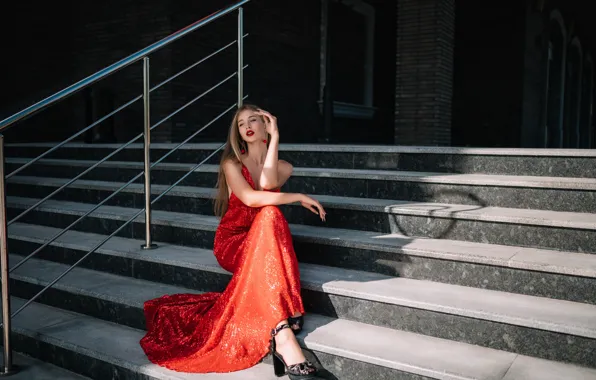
288 358
287 346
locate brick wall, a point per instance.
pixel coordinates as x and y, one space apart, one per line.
425 41
282 51
111 31
36 63
500 77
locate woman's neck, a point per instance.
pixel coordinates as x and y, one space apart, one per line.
257 152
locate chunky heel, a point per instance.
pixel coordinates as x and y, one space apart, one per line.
301 371
279 368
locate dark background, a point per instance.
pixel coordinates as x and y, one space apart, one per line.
462 73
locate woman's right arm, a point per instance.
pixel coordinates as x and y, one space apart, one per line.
255 198
251 197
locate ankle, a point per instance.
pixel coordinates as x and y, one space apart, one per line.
283 337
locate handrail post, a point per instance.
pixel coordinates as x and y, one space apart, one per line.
146 150
240 56
7 368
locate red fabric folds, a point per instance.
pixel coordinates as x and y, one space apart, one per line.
230 331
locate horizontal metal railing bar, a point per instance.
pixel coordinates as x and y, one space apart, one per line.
97 246
25 166
66 229
61 144
78 176
93 78
130 220
195 134
196 64
197 98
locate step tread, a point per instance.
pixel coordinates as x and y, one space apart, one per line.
562 219
33 369
588 184
95 338
107 286
522 152
414 353
543 260
516 309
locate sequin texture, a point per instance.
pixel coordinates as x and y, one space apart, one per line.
230 331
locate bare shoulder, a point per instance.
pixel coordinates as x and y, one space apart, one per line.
231 164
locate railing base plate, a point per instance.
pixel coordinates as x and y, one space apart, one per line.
13 371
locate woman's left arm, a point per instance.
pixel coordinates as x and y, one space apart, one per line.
275 172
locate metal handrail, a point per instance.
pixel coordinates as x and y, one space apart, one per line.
7 367
124 146
82 84
130 220
97 206
122 107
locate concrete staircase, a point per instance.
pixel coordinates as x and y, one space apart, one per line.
434 263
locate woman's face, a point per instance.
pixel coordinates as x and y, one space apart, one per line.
251 126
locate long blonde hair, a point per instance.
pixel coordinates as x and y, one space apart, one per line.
233 150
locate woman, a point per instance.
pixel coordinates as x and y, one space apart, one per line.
261 308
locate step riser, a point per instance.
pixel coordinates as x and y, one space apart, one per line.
550 285
101 309
521 340
396 263
529 198
517 235
96 154
77 362
439 163
200 280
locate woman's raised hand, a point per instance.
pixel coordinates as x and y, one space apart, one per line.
313 205
270 122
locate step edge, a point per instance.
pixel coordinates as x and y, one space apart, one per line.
476 179
350 148
336 202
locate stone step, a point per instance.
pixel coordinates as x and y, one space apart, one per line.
555 274
530 192
104 350
86 345
535 162
559 230
537 327
33 369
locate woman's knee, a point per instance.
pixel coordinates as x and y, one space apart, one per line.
270 211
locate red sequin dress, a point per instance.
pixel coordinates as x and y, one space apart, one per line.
230 331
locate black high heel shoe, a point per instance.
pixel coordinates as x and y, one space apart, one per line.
301 371
296 324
